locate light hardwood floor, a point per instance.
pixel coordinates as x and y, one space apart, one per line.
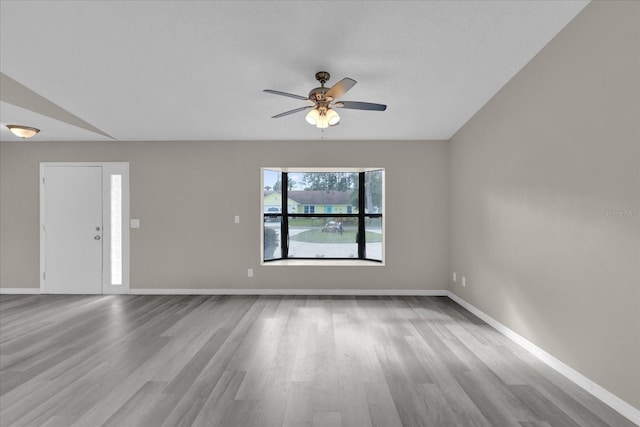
267 360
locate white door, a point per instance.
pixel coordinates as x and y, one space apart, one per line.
73 243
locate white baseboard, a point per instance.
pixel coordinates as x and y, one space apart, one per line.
624 408
335 292
20 291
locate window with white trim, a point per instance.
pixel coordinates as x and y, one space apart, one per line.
337 214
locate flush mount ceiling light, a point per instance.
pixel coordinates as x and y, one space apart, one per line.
323 102
23 131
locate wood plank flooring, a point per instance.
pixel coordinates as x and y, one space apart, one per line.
272 361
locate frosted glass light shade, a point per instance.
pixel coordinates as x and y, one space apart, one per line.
23 131
332 117
323 122
313 116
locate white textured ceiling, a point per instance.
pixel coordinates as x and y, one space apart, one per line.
195 70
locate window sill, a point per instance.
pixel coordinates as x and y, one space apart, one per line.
323 263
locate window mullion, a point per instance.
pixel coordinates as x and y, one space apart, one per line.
362 254
284 230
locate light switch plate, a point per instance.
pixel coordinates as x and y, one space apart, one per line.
236 219
135 223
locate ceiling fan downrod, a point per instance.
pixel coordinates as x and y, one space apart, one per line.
317 94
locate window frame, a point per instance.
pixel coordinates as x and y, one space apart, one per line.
361 215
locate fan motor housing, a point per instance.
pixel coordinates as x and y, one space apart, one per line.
318 94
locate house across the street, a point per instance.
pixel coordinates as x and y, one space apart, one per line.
312 201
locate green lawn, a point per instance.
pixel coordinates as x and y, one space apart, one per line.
348 236
304 222
318 222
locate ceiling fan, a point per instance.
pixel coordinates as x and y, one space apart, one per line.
323 101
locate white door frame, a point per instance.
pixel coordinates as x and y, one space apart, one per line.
108 169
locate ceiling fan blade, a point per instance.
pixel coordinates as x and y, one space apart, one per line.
290 95
340 88
286 113
355 105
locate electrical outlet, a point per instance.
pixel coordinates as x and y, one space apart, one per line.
250 272
236 219
464 281
454 276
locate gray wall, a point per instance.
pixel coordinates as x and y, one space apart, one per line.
542 182
187 193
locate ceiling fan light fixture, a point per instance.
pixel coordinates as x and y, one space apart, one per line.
23 131
322 117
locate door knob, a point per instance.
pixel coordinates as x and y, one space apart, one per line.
97 237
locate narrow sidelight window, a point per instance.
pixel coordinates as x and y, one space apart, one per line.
116 230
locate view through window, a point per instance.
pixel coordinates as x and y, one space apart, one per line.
323 214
